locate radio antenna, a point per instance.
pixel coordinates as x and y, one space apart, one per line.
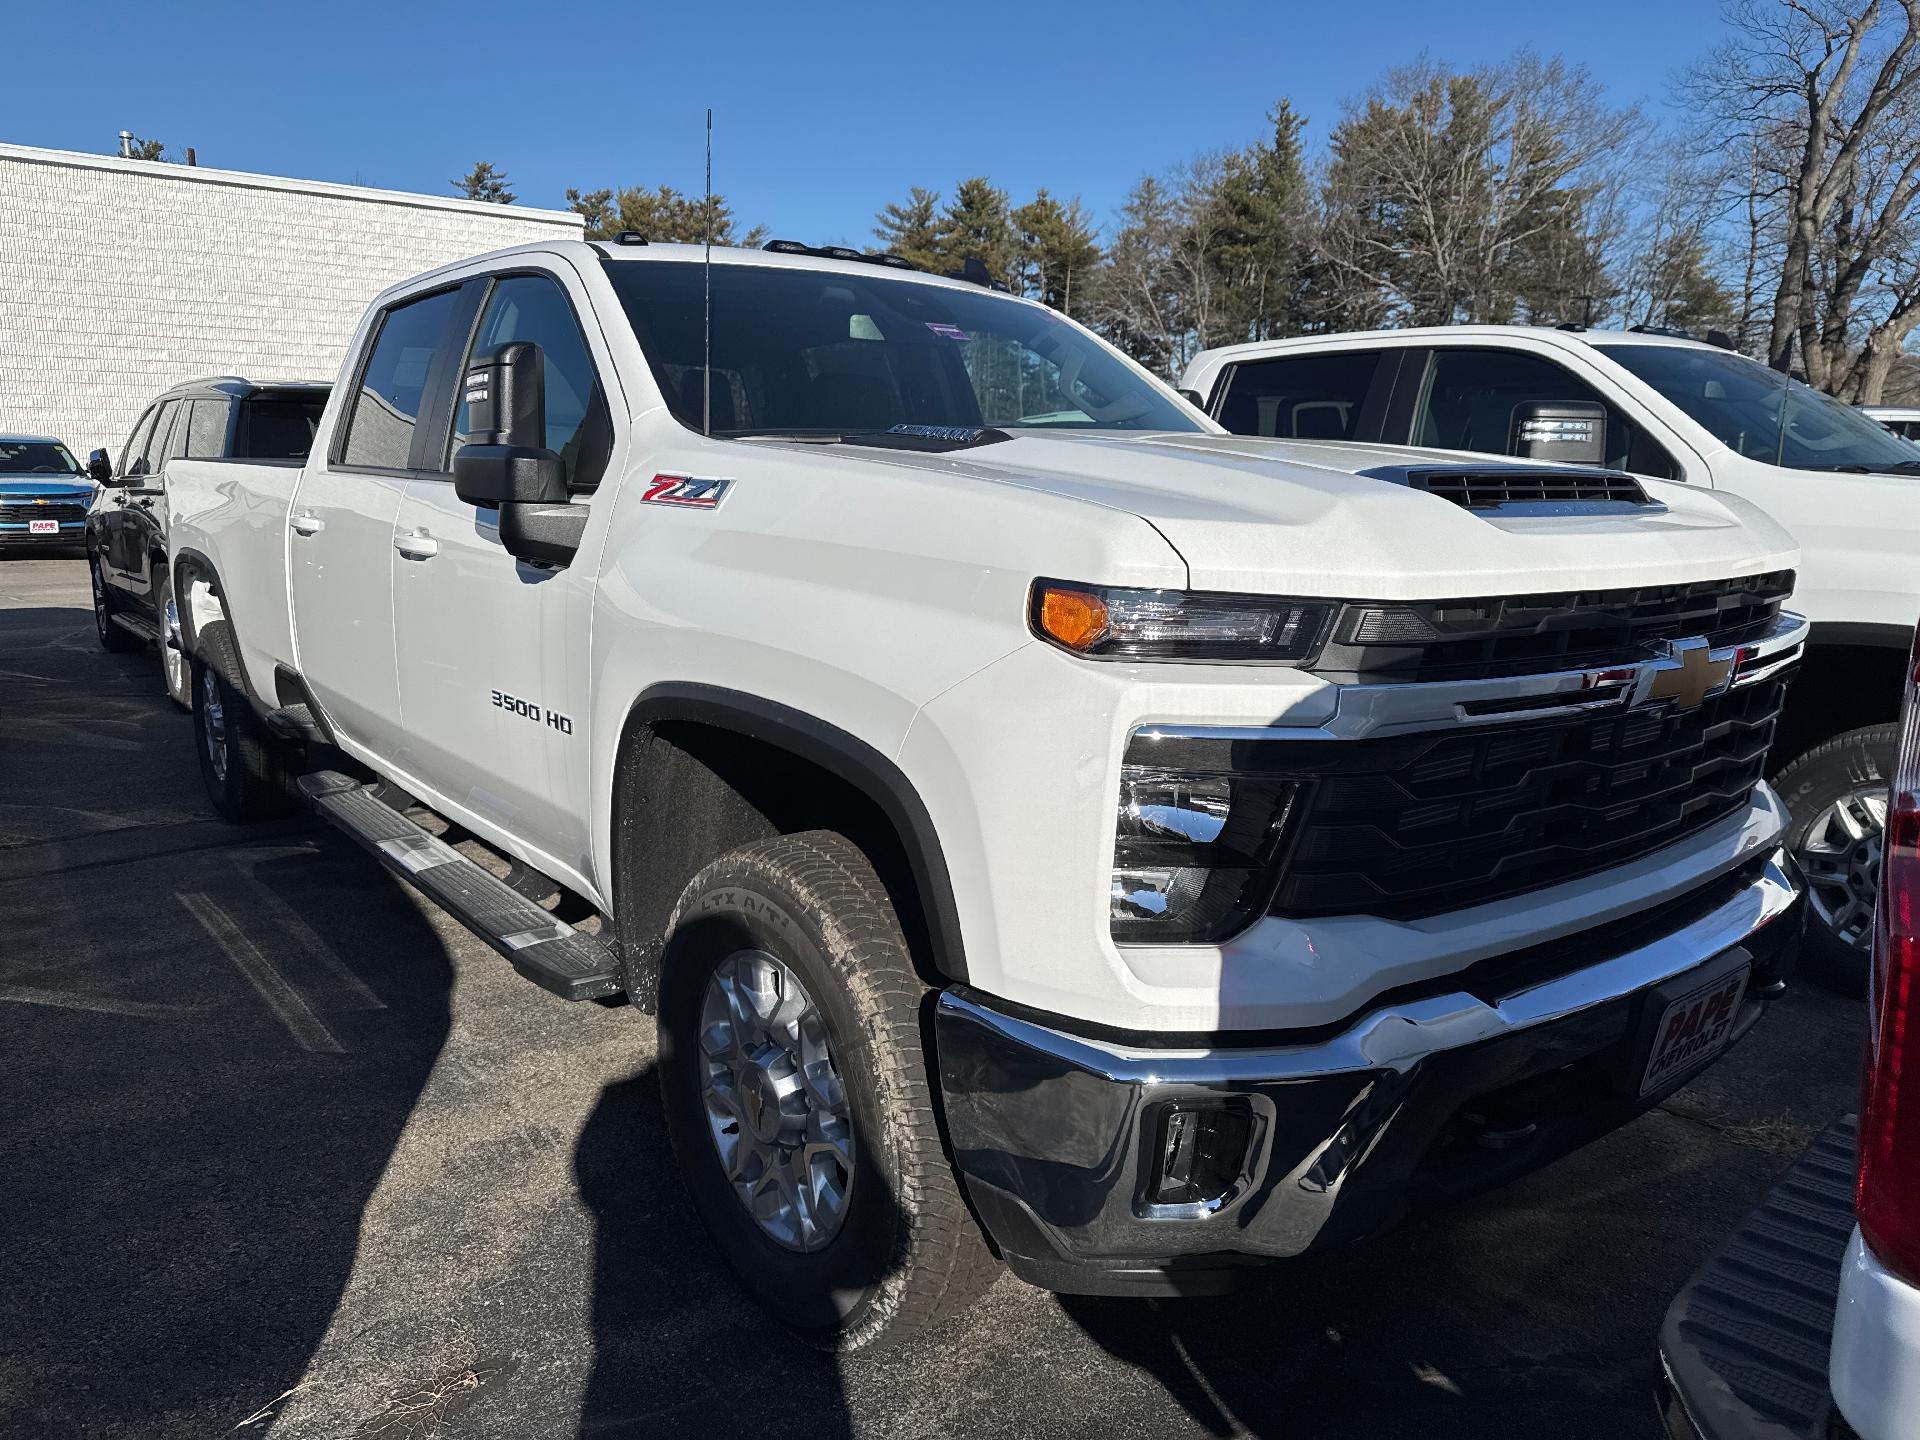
706 369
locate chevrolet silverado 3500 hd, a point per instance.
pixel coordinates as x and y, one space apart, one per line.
1031 812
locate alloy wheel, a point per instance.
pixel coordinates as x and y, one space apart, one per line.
1840 855
173 660
214 722
776 1107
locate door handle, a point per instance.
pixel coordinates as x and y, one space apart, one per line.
417 545
307 523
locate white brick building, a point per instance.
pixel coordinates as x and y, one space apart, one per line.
119 278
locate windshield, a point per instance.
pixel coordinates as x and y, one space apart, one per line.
814 352
36 457
1762 414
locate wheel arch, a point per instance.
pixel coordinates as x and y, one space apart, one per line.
1851 677
724 768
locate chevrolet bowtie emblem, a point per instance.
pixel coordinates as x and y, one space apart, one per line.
1687 676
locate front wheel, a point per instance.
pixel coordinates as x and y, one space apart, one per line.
175 674
798 1097
1837 793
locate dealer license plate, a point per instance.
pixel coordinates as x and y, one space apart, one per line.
43 527
1695 1028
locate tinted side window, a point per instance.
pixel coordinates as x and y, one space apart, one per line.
1305 397
153 455
532 307
380 429
206 430
136 442
278 426
1469 397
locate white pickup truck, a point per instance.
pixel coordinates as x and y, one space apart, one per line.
1671 408
1031 812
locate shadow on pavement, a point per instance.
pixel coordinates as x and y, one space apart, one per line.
210 1040
659 1286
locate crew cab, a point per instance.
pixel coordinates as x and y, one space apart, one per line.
1042 825
43 496
220 418
1673 408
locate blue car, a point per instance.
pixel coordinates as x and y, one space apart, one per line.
44 495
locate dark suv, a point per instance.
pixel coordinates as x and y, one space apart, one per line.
222 418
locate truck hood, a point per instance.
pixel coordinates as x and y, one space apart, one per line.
1299 517
18 487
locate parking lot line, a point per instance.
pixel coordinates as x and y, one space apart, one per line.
102 1004
324 954
308 1030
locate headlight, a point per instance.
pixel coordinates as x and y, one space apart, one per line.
1194 853
1109 623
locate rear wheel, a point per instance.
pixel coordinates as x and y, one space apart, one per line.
1838 795
112 637
246 768
799 1101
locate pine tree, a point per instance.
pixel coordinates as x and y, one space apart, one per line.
1259 207
483 182
911 231
661 214
1057 250
976 225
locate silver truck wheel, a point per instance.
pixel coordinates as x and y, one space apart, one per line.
775 1106
1837 793
799 1099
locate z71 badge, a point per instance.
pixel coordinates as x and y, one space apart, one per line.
685 491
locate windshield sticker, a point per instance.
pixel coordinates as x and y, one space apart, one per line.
686 492
947 332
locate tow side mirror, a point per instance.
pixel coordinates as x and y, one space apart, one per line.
1570 432
100 468
509 462
509 466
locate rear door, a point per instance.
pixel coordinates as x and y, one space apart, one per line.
341 524
492 652
1325 395
136 498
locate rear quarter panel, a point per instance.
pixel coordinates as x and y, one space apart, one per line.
229 517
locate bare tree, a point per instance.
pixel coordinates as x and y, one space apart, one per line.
1832 87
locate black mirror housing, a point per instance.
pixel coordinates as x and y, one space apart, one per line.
1568 432
488 476
100 467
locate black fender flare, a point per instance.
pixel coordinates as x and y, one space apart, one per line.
842 755
1872 634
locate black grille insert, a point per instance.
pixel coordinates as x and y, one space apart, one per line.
1413 825
15 512
1491 489
1417 640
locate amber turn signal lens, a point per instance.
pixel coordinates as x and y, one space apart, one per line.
1073 617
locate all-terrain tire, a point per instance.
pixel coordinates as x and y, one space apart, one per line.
248 771
907 1255
1858 763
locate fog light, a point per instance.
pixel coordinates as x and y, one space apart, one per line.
1202 1153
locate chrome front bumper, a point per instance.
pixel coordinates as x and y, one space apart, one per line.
1415 1102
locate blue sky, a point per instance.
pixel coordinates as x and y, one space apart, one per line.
823 112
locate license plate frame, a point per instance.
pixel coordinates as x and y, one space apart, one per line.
1685 1031
43 527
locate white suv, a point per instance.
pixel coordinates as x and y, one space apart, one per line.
1681 410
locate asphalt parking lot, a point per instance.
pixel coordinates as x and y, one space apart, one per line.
285 1152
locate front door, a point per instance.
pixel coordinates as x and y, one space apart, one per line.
492 652
341 523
